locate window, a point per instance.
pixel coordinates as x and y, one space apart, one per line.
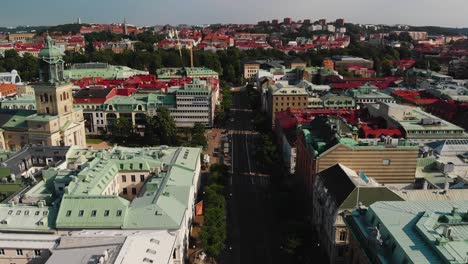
19 252
124 178
80 213
133 191
93 213
37 252
18 212
10 212
26 212
124 191
386 162
142 178
2 251
69 212
133 178
106 213
343 235
37 213
45 213
119 213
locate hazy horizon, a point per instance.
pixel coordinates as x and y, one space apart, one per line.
151 12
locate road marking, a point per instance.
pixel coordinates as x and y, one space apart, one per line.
232 154
248 155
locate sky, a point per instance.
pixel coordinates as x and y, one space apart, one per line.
451 13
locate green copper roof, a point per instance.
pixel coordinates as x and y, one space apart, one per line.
92 211
145 101
25 218
109 72
50 52
161 204
25 101
413 231
15 119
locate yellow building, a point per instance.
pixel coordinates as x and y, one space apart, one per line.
56 122
282 96
251 69
13 37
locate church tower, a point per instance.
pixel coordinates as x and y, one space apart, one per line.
57 122
53 94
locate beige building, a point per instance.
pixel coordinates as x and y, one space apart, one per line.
251 69
282 96
55 122
13 37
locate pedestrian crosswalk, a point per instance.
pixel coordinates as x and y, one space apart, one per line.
254 180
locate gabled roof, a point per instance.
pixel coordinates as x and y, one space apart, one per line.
337 182
91 211
368 196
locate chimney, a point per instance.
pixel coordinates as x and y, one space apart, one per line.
425 184
447 231
446 186
454 210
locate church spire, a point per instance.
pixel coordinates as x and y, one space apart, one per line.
51 63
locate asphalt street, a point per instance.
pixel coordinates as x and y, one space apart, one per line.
250 221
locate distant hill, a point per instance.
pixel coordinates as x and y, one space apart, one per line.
433 30
23 29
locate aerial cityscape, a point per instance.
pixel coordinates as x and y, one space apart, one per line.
302 139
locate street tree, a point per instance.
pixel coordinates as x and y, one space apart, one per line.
165 127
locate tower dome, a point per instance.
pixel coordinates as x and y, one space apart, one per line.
50 51
51 63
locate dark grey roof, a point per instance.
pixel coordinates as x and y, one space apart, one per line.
337 182
93 93
28 156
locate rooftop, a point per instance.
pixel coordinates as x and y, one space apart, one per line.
412 231
161 204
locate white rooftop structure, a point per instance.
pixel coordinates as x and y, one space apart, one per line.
116 247
10 77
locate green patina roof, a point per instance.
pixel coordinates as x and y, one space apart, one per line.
42 118
25 101
414 230
109 212
15 119
110 72
161 204
145 100
27 218
170 73
50 51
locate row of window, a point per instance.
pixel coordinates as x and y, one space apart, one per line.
193 105
94 213
191 111
133 178
291 98
26 212
190 117
293 104
435 132
193 99
140 166
125 191
19 252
